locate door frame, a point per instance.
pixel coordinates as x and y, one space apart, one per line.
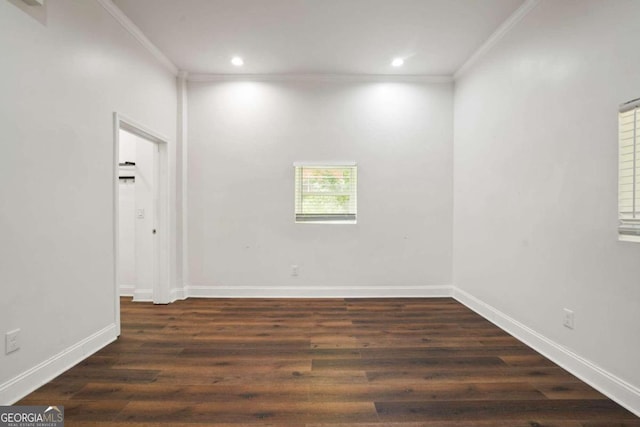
161 286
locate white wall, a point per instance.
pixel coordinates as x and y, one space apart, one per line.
127 215
145 202
536 179
243 139
127 236
65 70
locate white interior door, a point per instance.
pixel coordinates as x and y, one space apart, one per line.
145 218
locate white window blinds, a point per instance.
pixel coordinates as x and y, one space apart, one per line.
629 169
326 193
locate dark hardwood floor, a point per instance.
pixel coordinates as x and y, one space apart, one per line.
321 362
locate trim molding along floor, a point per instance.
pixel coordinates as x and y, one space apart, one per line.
318 292
605 382
127 290
143 295
30 380
615 388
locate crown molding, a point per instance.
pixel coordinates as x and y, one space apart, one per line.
195 77
137 33
497 35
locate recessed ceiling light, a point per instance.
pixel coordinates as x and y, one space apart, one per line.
237 61
397 62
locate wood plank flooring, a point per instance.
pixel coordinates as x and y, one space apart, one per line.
321 363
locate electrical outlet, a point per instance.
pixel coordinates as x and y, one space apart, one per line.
295 270
12 342
568 319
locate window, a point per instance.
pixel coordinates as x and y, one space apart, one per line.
629 171
326 193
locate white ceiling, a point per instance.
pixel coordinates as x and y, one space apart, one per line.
435 37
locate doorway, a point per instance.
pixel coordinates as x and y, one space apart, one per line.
140 214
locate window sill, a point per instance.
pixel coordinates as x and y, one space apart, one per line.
628 238
327 222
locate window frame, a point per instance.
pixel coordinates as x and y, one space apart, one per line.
629 227
300 217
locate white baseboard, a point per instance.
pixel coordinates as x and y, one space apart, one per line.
28 381
178 294
318 292
127 290
608 384
143 295
146 295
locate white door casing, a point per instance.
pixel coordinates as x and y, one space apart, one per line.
159 212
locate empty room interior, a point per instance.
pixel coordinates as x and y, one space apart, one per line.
321 212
